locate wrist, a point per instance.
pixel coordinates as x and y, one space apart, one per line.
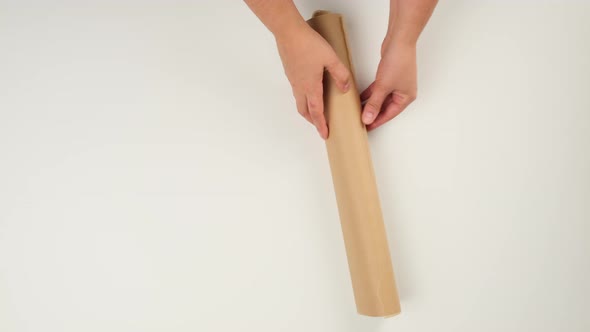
289 29
403 41
399 44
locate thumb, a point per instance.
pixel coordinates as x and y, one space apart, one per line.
373 105
340 73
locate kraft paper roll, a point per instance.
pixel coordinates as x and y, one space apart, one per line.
365 239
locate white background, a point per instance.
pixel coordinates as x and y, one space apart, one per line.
155 175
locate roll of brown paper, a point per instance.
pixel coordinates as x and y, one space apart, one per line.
364 233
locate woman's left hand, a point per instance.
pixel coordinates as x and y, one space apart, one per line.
395 85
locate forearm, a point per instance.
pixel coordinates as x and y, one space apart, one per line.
281 17
407 19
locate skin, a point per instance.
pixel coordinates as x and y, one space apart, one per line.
305 56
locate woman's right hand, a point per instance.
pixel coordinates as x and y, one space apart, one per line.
305 55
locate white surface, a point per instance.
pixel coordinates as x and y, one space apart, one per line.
155 175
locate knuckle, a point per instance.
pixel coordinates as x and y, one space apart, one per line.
338 68
405 98
315 111
313 104
373 105
333 61
379 85
408 99
345 75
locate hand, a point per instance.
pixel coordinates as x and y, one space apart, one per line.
305 54
395 84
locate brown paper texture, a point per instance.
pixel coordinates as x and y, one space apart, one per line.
365 239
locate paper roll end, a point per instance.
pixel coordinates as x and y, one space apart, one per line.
320 13
380 315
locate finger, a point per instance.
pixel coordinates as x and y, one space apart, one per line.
373 105
301 102
367 93
390 111
340 73
397 104
315 104
385 103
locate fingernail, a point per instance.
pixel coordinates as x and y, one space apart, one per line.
367 117
346 86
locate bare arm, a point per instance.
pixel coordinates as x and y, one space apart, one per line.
281 17
409 18
395 84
